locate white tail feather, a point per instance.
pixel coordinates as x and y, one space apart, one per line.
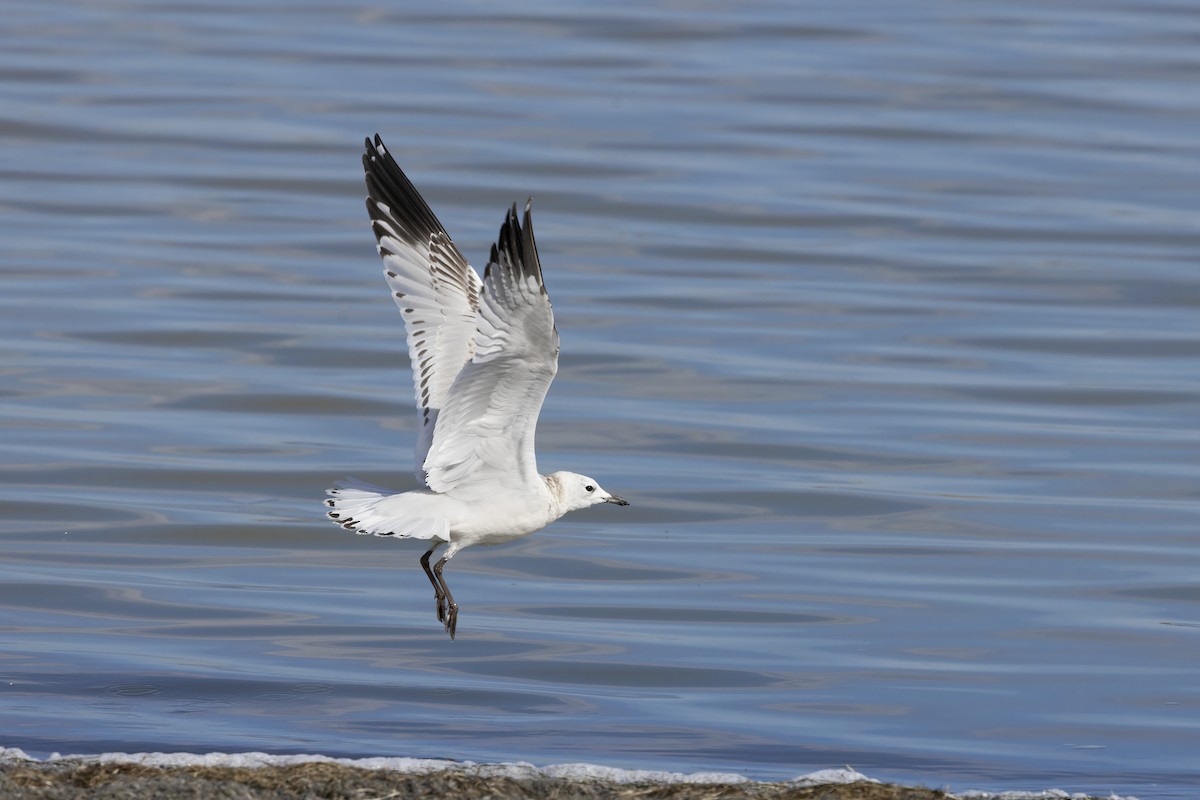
367 509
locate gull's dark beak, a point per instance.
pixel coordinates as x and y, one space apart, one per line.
617 501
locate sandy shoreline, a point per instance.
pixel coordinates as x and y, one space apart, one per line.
68 779
59 780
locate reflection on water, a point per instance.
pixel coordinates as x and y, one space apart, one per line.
884 322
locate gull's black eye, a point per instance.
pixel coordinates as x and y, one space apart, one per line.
589 488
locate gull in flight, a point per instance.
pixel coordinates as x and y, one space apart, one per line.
483 355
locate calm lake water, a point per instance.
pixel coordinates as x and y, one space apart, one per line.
883 317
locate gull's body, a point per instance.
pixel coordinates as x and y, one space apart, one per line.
484 353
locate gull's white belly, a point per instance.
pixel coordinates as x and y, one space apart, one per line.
498 520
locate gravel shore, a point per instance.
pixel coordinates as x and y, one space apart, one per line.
68 780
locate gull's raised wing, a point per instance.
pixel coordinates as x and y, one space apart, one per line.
434 287
485 433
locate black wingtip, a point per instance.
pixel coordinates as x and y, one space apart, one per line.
374 149
387 184
516 241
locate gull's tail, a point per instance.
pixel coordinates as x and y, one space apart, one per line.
367 509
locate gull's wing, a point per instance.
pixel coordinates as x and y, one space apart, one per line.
484 436
435 288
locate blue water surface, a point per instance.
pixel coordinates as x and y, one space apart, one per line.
883 317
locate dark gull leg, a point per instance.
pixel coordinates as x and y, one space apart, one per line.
438 595
451 620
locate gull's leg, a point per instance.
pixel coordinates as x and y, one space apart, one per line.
451 620
438 595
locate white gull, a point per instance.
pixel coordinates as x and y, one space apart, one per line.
483 355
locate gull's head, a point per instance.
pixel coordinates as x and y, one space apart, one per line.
580 491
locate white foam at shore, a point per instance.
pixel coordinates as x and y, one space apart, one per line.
510 770
580 771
